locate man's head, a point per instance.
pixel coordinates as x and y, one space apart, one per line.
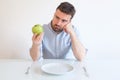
63 15
67 8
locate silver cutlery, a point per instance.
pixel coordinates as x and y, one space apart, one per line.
85 71
28 70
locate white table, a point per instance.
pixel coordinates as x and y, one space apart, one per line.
14 69
104 69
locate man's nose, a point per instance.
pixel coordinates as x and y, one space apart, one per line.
58 22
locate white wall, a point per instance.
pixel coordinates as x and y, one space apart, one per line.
98 21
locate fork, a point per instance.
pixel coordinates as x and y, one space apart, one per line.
85 71
28 70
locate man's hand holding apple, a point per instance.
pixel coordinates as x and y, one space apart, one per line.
37 34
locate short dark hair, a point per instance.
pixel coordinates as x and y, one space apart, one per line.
67 8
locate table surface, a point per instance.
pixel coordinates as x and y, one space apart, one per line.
104 69
14 69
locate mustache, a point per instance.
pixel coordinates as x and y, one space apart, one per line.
57 25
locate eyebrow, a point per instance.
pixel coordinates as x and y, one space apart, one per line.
61 19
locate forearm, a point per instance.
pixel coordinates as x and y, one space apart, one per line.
35 52
77 47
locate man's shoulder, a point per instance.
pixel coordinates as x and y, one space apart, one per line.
46 25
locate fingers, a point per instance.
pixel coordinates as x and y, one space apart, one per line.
37 37
67 28
40 36
34 36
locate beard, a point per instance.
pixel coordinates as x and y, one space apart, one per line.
57 28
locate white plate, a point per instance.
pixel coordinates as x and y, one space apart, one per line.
57 68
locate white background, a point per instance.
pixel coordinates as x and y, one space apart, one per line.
98 21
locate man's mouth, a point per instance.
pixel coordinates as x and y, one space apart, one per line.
57 27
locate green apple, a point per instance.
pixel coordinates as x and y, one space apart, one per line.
37 29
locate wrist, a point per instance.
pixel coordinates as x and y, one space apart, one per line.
72 33
35 45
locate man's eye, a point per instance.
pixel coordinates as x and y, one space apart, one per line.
57 17
64 20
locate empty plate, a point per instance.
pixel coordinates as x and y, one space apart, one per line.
57 68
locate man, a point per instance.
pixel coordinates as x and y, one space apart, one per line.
60 39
